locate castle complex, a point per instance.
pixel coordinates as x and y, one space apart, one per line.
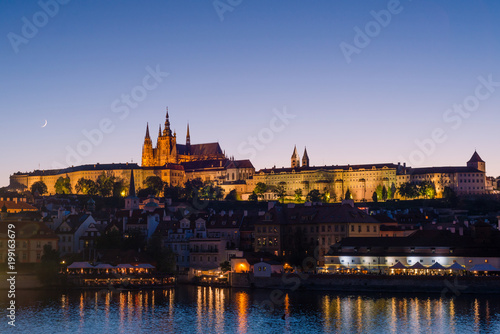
176 163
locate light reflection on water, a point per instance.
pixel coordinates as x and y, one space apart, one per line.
217 310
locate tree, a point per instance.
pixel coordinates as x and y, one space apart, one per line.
48 269
348 194
172 192
253 197
86 187
232 196
408 190
105 184
225 266
427 189
119 188
375 197
314 196
450 196
298 195
280 191
325 198
260 189
192 188
4 208
378 190
155 183
210 192
384 193
146 192
391 191
39 187
63 185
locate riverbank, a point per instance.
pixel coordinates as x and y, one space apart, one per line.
372 283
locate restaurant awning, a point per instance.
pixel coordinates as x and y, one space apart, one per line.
417 265
436 266
456 266
398 265
145 266
80 265
104 266
124 266
483 267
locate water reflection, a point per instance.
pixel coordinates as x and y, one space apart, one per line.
220 310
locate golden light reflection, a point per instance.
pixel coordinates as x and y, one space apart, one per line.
393 316
107 303
415 313
122 310
82 307
477 318
199 309
327 313
242 301
219 310
359 312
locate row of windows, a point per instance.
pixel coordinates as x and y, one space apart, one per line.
367 228
267 242
209 258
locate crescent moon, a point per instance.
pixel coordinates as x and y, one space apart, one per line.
45 124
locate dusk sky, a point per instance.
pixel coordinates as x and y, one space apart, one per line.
365 81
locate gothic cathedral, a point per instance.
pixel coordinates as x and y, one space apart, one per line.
167 150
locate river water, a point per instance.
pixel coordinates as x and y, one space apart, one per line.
191 309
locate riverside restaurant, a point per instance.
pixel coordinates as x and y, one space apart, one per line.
123 275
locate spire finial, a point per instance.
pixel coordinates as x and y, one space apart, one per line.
147 131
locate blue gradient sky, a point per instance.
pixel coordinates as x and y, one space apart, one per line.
226 78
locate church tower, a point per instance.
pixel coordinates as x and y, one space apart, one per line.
295 158
131 201
167 145
305 159
188 140
147 150
476 162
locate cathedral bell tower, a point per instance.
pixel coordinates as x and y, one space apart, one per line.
147 150
295 158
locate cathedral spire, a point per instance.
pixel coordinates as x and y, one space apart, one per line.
131 191
159 132
167 131
305 159
188 136
147 131
295 158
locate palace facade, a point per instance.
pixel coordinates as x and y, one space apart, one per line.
363 180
